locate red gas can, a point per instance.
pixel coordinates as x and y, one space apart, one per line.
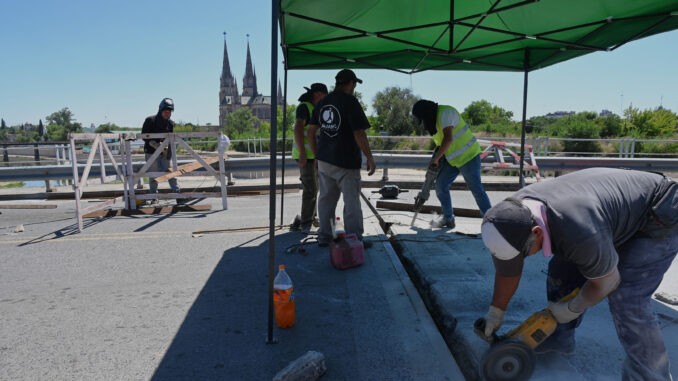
346 252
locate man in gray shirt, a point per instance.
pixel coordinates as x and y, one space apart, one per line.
612 233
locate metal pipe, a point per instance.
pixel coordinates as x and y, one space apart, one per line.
272 173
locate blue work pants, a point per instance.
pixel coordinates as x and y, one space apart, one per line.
471 173
643 260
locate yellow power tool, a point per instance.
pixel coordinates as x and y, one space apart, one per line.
511 356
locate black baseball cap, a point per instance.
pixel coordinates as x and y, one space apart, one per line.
346 75
317 87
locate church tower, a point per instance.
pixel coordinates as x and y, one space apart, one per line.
228 92
249 81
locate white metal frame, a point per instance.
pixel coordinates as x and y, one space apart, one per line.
170 140
80 182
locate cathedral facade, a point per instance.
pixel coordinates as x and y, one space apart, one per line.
229 98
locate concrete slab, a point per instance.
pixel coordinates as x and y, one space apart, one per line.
455 274
141 298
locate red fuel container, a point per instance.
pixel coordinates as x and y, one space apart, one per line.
347 252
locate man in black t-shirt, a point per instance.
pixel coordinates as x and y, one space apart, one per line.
340 123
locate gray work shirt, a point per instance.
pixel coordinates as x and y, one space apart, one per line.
593 211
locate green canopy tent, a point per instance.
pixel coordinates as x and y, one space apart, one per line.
484 35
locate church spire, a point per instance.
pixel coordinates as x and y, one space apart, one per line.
249 81
228 92
226 75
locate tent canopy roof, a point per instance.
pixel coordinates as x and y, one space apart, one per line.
492 35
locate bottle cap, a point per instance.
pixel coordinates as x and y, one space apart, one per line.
281 267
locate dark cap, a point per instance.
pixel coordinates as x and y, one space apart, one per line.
505 230
346 75
425 112
317 87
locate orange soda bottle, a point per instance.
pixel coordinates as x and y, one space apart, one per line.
283 299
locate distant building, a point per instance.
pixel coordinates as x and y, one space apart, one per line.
605 113
230 100
559 114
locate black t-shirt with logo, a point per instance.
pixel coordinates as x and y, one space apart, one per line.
338 115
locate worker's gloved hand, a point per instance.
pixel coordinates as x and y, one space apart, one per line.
493 320
562 312
154 144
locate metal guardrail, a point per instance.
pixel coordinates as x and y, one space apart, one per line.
383 161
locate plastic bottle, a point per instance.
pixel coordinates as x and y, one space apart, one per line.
283 299
339 231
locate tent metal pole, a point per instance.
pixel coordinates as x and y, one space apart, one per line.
526 63
284 141
275 11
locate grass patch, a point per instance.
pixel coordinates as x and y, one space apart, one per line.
17 184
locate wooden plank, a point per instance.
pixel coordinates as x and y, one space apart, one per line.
167 209
186 168
28 206
461 212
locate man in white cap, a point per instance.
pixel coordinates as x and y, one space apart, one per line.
613 233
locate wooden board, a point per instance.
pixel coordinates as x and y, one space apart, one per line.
148 211
400 206
28 206
187 168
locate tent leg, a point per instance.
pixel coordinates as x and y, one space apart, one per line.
272 172
284 141
526 62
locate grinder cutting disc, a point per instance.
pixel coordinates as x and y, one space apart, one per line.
508 360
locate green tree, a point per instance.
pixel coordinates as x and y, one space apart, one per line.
106 128
483 112
393 106
653 123
3 125
63 118
610 125
241 123
579 126
41 130
56 133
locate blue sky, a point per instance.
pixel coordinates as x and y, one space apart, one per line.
113 61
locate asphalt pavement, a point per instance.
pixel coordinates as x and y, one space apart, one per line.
148 298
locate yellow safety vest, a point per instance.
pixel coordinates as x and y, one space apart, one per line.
464 146
295 150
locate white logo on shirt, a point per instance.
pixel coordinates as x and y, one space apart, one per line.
330 119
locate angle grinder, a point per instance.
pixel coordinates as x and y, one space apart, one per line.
511 356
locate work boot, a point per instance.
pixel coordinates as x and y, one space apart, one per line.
557 343
306 228
296 224
442 222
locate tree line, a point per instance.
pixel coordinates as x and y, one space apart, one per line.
392 117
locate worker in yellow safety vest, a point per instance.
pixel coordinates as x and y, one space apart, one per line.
301 152
457 145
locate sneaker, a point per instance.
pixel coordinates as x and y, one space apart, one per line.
442 222
316 222
554 344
